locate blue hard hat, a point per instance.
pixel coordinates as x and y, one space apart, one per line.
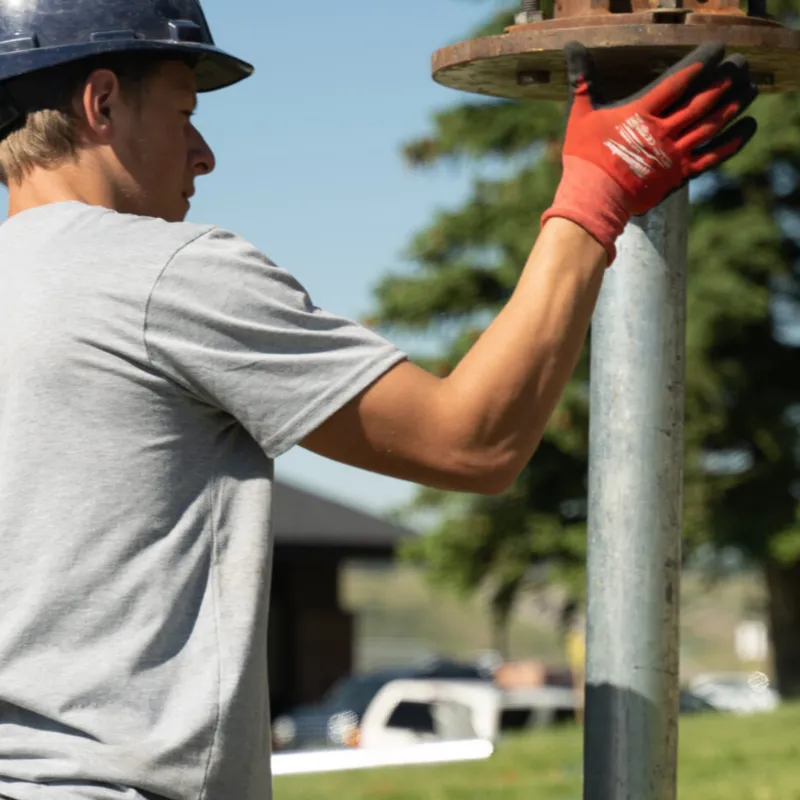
38 34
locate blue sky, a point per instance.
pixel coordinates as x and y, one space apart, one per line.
309 167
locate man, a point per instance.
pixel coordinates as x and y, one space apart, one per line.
151 370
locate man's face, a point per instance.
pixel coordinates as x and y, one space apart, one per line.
160 149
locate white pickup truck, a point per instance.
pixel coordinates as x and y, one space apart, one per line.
406 712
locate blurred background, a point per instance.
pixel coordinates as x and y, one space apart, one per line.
412 209
423 206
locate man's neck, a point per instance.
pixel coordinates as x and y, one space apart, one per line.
41 187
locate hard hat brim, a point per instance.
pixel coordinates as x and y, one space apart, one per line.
214 68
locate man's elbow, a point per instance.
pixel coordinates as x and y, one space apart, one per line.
487 473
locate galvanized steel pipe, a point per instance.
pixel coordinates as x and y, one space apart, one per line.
635 497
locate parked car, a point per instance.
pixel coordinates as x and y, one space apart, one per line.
329 723
736 692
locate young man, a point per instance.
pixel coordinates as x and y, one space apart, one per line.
151 370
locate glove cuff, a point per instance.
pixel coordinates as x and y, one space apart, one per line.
590 198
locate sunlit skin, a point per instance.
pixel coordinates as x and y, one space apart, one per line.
138 155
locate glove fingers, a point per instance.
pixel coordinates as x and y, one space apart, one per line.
682 79
730 81
724 146
732 105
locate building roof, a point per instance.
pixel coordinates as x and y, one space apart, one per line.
304 519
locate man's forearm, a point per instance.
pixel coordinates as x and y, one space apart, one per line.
509 383
476 429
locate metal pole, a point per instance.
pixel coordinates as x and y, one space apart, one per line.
635 496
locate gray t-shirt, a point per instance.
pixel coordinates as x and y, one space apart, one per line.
149 375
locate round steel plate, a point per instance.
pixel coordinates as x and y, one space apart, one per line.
528 62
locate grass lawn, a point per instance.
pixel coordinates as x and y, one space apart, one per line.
721 758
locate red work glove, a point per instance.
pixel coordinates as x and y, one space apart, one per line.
622 159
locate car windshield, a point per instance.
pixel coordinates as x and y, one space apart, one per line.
354 694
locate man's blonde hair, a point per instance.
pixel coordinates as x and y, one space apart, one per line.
48 138
48 133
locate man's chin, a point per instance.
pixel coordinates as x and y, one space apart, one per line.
177 214
187 208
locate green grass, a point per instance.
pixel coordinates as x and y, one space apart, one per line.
721 758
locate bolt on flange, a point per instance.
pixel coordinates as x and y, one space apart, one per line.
531 12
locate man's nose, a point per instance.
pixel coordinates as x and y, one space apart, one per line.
201 155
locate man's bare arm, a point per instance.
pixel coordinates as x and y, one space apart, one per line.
476 429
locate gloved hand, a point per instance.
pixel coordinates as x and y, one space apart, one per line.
621 159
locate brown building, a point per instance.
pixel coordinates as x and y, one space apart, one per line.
311 638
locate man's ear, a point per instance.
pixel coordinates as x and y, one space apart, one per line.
99 99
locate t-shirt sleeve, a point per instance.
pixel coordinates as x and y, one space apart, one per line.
242 334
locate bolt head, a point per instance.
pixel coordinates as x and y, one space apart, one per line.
533 77
526 17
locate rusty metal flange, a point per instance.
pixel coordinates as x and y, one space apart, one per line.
526 62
